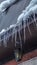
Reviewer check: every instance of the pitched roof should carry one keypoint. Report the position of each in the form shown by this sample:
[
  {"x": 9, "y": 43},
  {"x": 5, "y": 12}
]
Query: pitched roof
[{"x": 12, "y": 14}]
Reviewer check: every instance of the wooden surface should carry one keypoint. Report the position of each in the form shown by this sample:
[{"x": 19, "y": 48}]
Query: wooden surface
[{"x": 24, "y": 58}]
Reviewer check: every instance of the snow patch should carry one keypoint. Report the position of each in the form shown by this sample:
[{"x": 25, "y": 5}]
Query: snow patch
[
  {"x": 32, "y": 4},
  {"x": 32, "y": 10},
  {"x": 5, "y": 4},
  {"x": 3, "y": 30},
  {"x": 20, "y": 19}
]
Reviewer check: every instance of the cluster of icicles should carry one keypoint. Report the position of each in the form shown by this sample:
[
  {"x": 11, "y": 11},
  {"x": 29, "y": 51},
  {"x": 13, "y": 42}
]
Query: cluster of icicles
[{"x": 25, "y": 19}]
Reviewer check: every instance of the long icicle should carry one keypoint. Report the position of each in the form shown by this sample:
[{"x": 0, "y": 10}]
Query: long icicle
[
  {"x": 20, "y": 37},
  {"x": 35, "y": 19}
]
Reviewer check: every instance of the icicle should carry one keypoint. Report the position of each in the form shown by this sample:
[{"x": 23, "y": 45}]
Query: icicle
[
  {"x": 5, "y": 42},
  {"x": 29, "y": 28},
  {"x": 31, "y": 11},
  {"x": 7, "y": 33},
  {"x": 19, "y": 23},
  {"x": 0, "y": 41},
  {"x": 34, "y": 10},
  {"x": 24, "y": 32},
  {"x": 20, "y": 37},
  {"x": 25, "y": 19},
  {"x": 2, "y": 35},
  {"x": 35, "y": 19},
  {"x": 12, "y": 27},
  {"x": 15, "y": 38}
]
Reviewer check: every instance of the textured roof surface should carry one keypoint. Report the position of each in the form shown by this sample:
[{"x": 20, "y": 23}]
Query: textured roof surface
[{"x": 12, "y": 14}]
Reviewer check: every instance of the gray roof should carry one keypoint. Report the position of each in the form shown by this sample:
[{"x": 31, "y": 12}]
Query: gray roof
[{"x": 12, "y": 14}]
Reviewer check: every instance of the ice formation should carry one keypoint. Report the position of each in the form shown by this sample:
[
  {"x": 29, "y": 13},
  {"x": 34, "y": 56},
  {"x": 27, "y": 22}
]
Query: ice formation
[
  {"x": 27, "y": 18},
  {"x": 32, "y": 4},
  {"x": 5, "y": 34},
  {"x": 20, "y": 18},
  {"x": 3, "y": 31},
  {"x": 33, "y": 10},
  {"x": 23, "y": 17},
  {"x": 5, "y": 4}
]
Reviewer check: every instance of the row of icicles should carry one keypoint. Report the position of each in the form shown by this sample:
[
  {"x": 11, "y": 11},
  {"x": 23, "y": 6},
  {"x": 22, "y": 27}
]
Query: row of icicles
[{"x": 27, "y": 18}]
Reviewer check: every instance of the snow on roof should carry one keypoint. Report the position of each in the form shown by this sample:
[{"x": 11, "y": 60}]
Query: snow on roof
[
  {"x": 5, "y": 4},
  {"x": 32, "y": 4},
  {"x": 20, "y": 18},
  {"x": 3, "y": 30},
  {"x": 13, "y": 25},
  {"x": 32, "y": 10},
  {"x": 29, "y": 9}
]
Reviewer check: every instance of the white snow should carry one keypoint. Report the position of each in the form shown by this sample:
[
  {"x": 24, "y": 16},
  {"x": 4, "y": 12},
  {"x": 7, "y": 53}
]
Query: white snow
[
  {"x": 31, "y": 4},
  {"x": 3, "y": 30},
  {"x": 5, "y": 4},
  {"x": 13, "y": 25},
  {"x": 32, "y": 10},
  {"x": 20, "y": 18},
  {"x": 28, "y": 10},
  {"x": 23, "y": 16}
]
